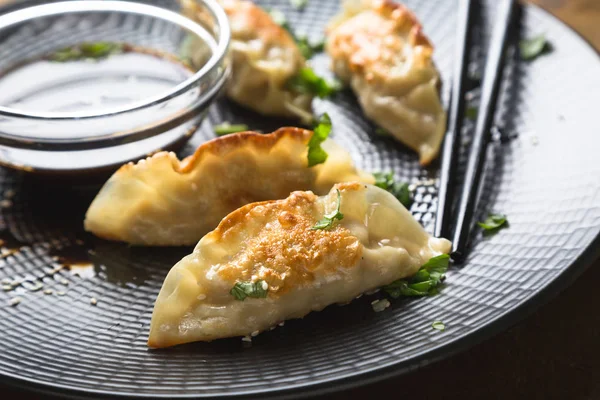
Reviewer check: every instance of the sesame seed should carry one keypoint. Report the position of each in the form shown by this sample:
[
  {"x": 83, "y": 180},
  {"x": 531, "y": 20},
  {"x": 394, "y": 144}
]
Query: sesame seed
[
  {"x": 6, "y": 281},
  {"x": 93, "y": 301},
  {"x": 255, "y": 333},
  {"x": 33, "y": 286},
  {"x": 56, "y": 269},
  {"x": 7, "y": 288},
  {"x": 60, "y": 293},
  {"x": 201, "y": 297},
  {"x": 14, "y": 301},
  {"x": 64, "y": 282},
  {"x": 48, "y": 291},
  {"x": 247, "y": 339},
  {"x": 281, "y": 323}
]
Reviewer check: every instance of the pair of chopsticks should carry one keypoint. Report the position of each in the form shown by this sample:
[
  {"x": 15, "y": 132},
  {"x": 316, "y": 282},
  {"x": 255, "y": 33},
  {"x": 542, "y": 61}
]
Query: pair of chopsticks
[{"x": 463, "y": 219}]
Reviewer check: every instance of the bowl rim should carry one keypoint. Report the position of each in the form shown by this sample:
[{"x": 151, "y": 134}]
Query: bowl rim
[{"x": 77, "y": 6}]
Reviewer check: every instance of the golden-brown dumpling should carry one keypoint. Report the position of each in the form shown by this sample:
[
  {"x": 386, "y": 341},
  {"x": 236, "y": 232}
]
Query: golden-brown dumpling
[
  {"x": 264, "y": 57},
  {"x": 162, "y": 201},
  {"x": 378, "y": 47},
  {"x": 293, "y": 267}
]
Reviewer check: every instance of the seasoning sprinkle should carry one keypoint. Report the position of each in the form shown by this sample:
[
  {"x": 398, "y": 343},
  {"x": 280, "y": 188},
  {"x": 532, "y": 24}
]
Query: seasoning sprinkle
[
  {"x": 48, "y": 291},
  {"x": 60, "y": 293},
  {"x": 15, "y": 301},
  {"x": 32, "y": 286},
  {"x": 64, "y": 282},
  {"x": 7, "y": 288},
  {"x": 93, "y": 301}
]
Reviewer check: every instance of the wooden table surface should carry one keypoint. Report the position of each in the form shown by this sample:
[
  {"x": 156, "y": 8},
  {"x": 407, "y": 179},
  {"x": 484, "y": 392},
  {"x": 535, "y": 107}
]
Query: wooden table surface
[{"x": 552, "y": 354}]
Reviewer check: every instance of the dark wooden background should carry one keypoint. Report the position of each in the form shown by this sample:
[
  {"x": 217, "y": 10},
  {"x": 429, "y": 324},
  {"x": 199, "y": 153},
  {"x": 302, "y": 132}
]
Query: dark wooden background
[{"x": 552, "y": 354}]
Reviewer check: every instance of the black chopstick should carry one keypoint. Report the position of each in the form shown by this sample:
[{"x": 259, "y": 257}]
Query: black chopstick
[
  {"x": 455, "y": 118},
  {"x": 481, "y": 137}
]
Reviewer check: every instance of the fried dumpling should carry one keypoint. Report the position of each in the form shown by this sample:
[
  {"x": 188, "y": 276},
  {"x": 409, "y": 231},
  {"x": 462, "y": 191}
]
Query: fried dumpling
[
  {"x": 264, "y": 57},
  {"x": 378, "y": 47},
  {"x": 162, "y": 201},
  {"x": 272, "y": 261}
]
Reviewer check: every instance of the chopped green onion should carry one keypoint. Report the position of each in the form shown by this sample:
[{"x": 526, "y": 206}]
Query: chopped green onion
[
  {"x": 329, "y": 219},
  {"x": 493, "y": 222},
  {"x": 298, "y": 4},
  {"x": 530, "y": 49},
  {"x": 380, "y": 305},
  {"x": 381, "y": 132},
  {"x": 241, "y": 290},
  {"x": 438, "y": 325},
  {"x": 226, "y": 128},
  {"x": 424, "y": 282},
  {"x": 307, "y": 81},
  {"x": 316, "y": 153},
  {"x": 472, "y": 113},
  {"x": 86, "y": 50},
  {"x": 307, "y": 48},
  {"x": 399, "y": 189}
]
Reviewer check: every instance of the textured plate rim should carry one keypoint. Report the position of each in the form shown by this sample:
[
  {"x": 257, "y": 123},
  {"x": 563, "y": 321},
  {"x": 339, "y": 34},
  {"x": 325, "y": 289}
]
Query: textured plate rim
[{"x": 376, "y": 374}]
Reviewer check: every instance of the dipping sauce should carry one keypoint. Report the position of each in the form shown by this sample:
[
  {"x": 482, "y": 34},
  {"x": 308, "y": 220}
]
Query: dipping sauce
[{"x": 90, "y": 77}]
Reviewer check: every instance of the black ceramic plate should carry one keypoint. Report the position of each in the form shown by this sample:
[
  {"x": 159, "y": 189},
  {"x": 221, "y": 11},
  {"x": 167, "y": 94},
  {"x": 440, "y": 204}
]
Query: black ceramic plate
[{"x": 544, "y": 174}]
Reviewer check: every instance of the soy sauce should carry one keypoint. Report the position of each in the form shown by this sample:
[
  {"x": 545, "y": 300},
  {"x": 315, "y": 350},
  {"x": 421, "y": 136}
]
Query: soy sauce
[{"x": 106, "y": 76}]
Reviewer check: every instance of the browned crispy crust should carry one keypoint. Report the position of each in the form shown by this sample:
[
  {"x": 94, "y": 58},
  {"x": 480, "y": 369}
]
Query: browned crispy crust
[
  {"x": 263, "y": 25},
  {"x": 275, "y": 248},
  {"x": 404, "y": 16},
  {"x": 233, "y": 218},
  {"x": 225, "y": 144},
  {"x": 404, "y": 21}
]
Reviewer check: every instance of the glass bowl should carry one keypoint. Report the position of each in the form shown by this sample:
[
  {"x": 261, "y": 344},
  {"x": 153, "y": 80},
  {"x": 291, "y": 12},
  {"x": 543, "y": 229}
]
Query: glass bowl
[{"x": 65, "y": 113}]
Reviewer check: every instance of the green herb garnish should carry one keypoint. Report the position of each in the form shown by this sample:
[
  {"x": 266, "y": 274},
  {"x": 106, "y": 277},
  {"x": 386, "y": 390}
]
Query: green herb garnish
[
  {"x": 493, "y": 222},
  {"x": 307, "y": 81},
  {"x": 424, "y": 282},
  {"x": 400, "y": 190},
  {"x": 534, "y": 47},
  {"x": 257, "y": 290},
  {"x": 226, "y": 128},
  {"x": 298, "y": 4},
  {"x": 316, "y": 153},
  {"x": 329, "y": 219},
  {"x": 307, "y": 48},
  {"x": 472, "y": 113},
  {"x": 438, "y": 325},
  {"x": 86, "y": 50},
  {"x": 381, "y": 132}
]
